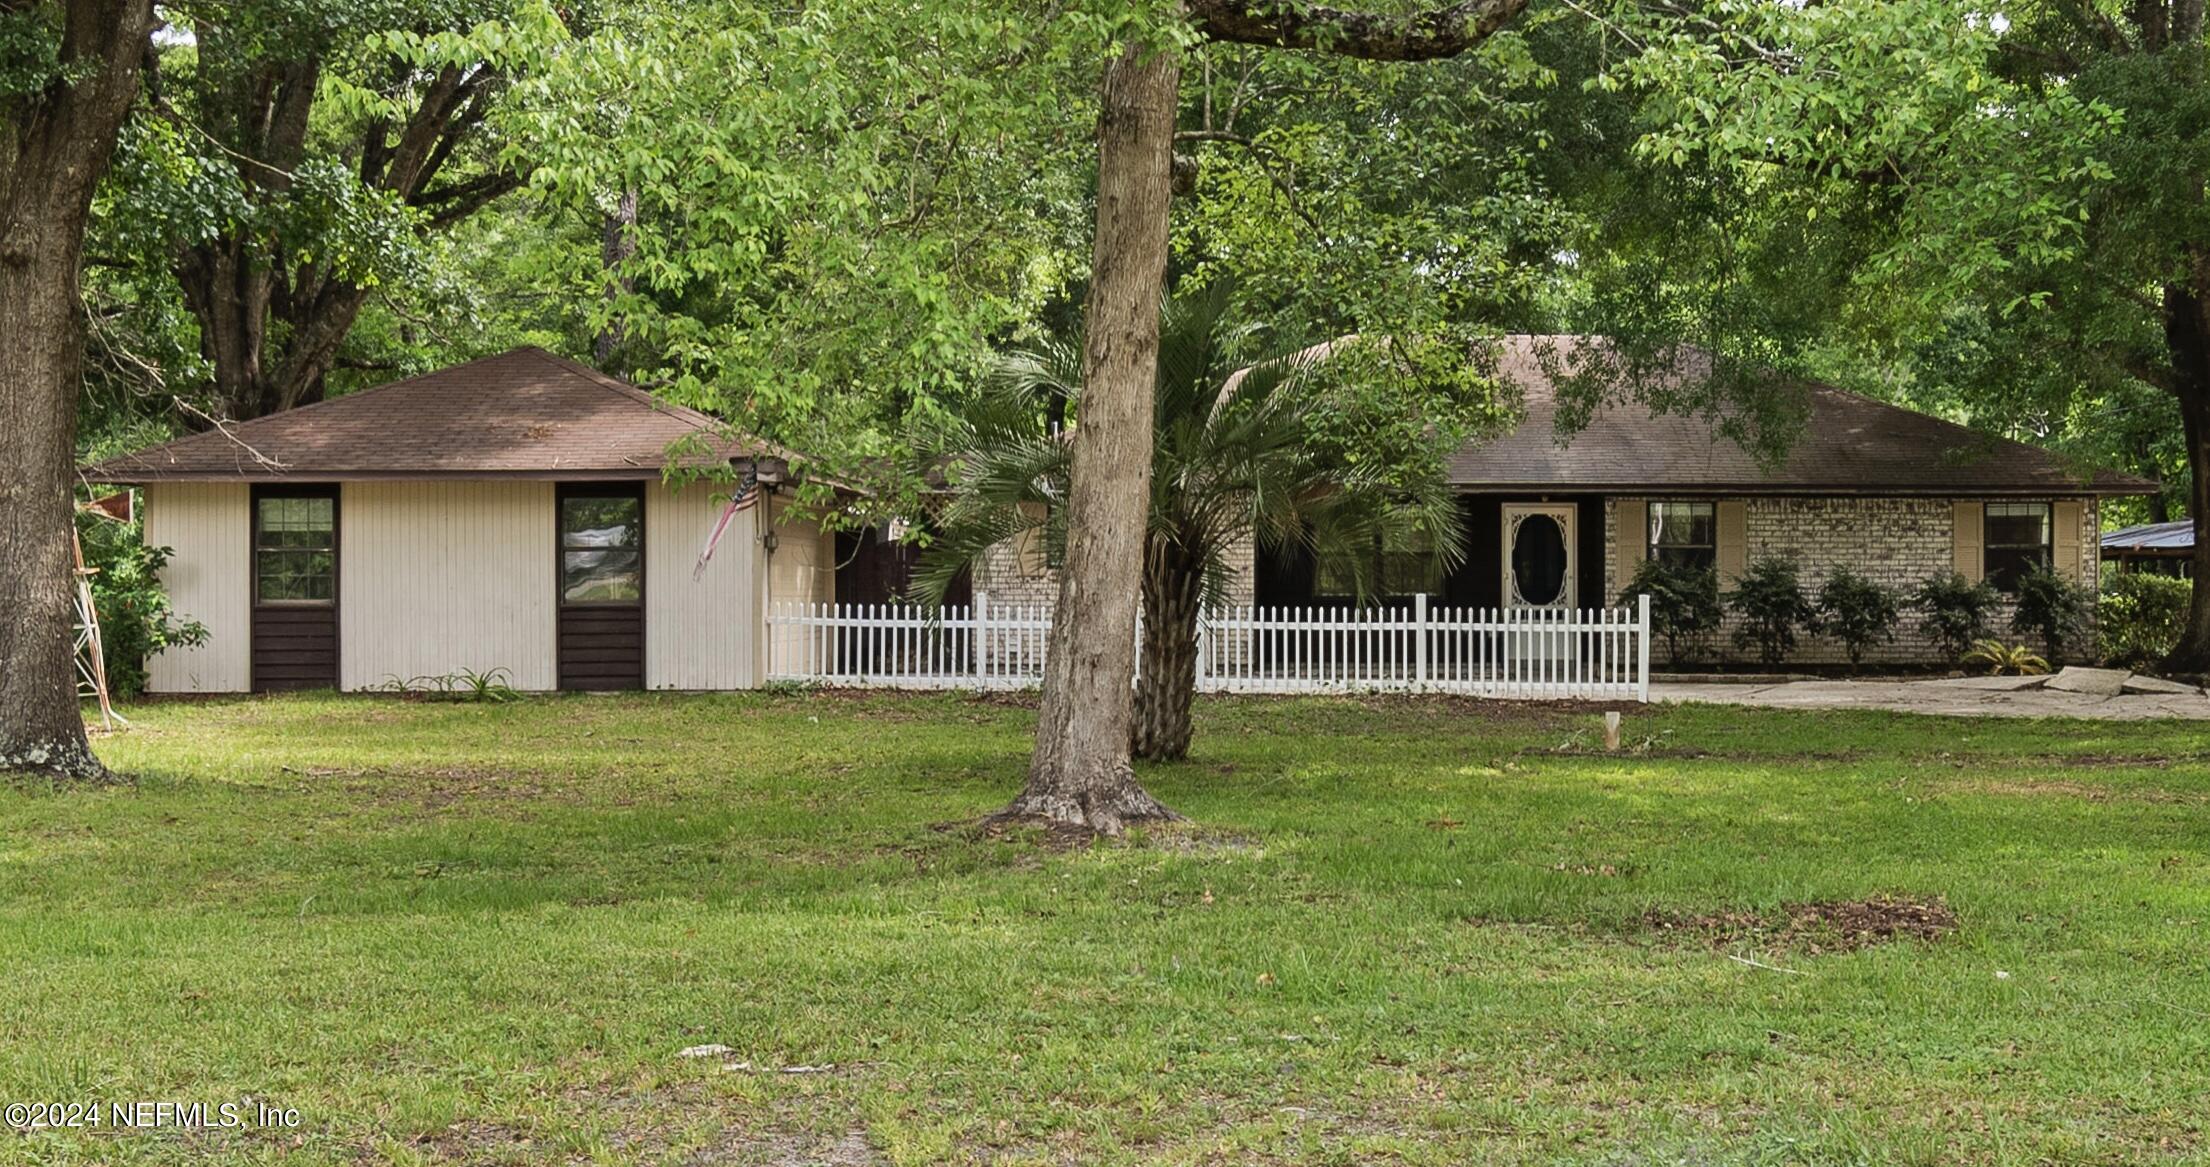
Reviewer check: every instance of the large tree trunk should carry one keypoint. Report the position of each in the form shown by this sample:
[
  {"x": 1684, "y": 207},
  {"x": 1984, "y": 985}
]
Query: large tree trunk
[
  {"x": 1079, "y": 774},
  {"x": 2187, "y": 336},
  {"x": 1173, "y": 595},
  {"x": 617, "y": 247},
  {"x": 40, "y": 726},
  {"x": 52, "y": 151}
]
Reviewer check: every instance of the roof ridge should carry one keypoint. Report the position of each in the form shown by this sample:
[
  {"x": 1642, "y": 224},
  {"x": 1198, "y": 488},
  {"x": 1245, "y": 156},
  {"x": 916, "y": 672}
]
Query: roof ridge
[{"x": 696, "y": 418}]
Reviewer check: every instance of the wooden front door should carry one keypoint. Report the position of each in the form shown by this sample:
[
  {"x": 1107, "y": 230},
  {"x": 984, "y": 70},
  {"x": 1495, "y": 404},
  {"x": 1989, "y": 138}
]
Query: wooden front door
[
  {"x": 295, "y": 587},
  {"x": 602, "y": 586}
]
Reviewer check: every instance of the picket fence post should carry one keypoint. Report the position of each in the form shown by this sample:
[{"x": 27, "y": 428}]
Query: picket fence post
[
  {"x": 1642, "y": 648},
  {"x": 981, "y": 608},
  {"x": 1419, "y": 634}
]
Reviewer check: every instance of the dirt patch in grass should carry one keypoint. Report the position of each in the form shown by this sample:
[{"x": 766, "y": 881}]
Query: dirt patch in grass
[
  {"x": 1824, "y": 926},
  {"x": 476, "y": 1141},
  {"x": 1178, "y": 836},
  {"x": 1022, "y": 830}
]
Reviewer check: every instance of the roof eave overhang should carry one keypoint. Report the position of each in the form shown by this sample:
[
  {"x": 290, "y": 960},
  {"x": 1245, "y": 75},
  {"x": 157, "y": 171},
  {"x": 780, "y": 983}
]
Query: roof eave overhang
[
  {"x": 1766, "y": 490},
  {"x": 117, "y": 476}
]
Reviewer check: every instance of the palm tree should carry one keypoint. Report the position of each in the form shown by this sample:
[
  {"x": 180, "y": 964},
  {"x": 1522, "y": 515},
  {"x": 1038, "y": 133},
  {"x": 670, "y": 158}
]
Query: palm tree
[{"x": 1234, "y": 459}]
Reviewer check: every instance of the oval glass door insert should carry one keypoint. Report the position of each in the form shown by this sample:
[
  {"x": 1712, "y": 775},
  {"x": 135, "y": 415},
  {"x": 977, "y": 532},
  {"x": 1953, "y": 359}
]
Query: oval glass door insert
[{"x": 1538, "y": 559}]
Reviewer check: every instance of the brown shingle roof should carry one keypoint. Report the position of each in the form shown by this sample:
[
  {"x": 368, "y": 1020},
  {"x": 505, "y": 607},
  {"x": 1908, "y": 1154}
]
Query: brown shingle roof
[
  {"x": 521, "y": 414},
  {"x": 1850, "y": 444}
]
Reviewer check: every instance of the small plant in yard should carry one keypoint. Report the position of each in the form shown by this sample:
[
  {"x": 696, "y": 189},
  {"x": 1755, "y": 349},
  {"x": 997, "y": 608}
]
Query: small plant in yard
[
  {"x": 1956, "y": 611},
  {"x": 136, "y": 620},
  {"x": 2051, "y": 608},
  {"x": 1770, "y": 600},
  {"x": 2005, "y": 660},
  {"x": 2141, "y": 616},
  {"x": 492, "y": 686},
  {"x": 489, "y": 687},
  {"x": 1857, "y": 612},
  {"x": 1684, "y": 602}
]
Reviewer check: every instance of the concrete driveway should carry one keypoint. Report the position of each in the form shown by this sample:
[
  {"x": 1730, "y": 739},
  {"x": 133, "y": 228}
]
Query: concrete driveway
[{"x": 1953, "y": 697}]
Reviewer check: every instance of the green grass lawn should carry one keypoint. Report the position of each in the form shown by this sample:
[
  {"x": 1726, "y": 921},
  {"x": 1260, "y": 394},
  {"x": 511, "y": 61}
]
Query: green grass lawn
[{"x": 1395, "y": 931}]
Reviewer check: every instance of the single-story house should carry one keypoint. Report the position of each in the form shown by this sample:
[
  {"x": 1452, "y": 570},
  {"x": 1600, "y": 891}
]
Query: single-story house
[
  {"x": 2158, "y": 548},
  {"x": 511, "y": 513},
  {"x": 508, "y": 513},
  {"x": 1891, "y": 493}
]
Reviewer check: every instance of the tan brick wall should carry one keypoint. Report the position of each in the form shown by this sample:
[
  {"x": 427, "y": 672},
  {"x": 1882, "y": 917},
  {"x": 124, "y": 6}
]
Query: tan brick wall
[
  {"x": 1008, "y": 576},
  {"x": 1897, "y": 543}
]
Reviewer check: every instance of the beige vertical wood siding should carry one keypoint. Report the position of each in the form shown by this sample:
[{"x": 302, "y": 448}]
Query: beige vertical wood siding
[
  {"x": 435, "y": 577},
  {"x": 802, "y": 570},
  {"x": 208, "y": 526},
  {"x": 702, "y": 633}
]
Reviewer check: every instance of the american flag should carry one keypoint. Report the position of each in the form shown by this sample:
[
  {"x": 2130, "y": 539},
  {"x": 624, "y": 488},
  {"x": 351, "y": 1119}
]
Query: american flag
[{"x": 746, "y": 495}]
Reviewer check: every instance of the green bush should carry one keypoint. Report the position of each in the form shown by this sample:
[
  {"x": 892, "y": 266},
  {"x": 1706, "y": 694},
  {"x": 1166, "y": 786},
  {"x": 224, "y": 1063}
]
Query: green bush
[
  {"x": 135, "y": 618},
  {"x": 2052, "y": 608},
  {"x": 1857, "y": 612},
  {"x": 1770, "y": 600},
  {"x": 1684, "y": 602},
  {"x": 1956, "y": 611},
  {"x": 2142, "y": 615}
]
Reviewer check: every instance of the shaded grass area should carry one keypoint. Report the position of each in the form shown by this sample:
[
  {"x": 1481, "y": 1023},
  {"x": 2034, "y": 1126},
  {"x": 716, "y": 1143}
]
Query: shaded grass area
[{"x": 1400, "y": 930}]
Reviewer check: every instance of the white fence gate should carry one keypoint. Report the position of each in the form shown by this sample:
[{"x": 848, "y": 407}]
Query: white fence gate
[{"x": 1485, "y": 652}]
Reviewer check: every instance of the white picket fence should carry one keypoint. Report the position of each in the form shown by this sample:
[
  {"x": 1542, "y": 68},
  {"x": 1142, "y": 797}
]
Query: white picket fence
[{"x": 1420, "y": 647}]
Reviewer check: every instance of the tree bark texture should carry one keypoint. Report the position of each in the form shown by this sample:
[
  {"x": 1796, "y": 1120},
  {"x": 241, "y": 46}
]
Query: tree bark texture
[
  {"x": 617, "y": 247},
  {"x": 1173, "y": 598},
  {"x": 55, "y": 146},
  {"x": 2187, "y": 336},
  {"x": 1080, "y": 773}
]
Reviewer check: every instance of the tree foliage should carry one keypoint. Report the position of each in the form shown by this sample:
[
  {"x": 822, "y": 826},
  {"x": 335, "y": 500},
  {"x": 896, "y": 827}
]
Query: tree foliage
[
  {"x": 290, "y": 159},
  {"x": 1242, "y": 456},
  {"x": 2140, "y": 616},
  {"x": 136, "y": 619}
]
